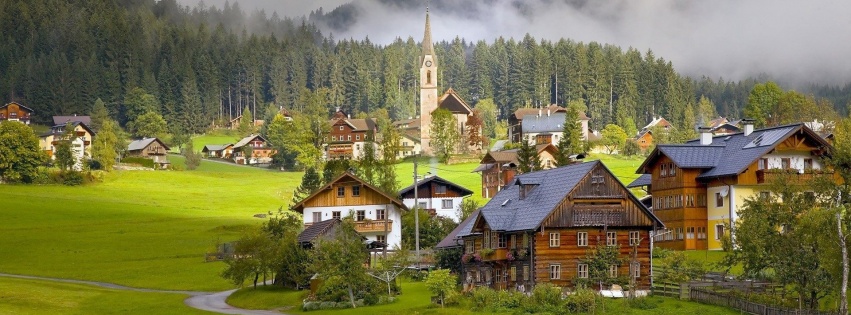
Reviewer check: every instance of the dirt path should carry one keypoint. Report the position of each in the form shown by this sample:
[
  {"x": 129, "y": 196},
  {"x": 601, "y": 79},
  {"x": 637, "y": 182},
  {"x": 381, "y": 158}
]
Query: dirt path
[{"x": 206, "y": 301}]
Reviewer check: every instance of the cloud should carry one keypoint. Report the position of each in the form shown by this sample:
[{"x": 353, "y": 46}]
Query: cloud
[{"x": 793, "y": 41}]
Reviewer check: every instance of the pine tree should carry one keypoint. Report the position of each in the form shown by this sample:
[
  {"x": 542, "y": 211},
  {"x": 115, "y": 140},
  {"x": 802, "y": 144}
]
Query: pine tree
[
  {"x": 571, "y": 137},
  {"x": 527, "y": 158},
  {"x": 193, "y": 158},
  {"x": 98, "y": 115},
  {"x": 309, "y": 183}
]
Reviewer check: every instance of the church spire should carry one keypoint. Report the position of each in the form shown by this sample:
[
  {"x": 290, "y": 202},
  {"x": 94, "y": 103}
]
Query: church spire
[{"x": 428, "y": 45}]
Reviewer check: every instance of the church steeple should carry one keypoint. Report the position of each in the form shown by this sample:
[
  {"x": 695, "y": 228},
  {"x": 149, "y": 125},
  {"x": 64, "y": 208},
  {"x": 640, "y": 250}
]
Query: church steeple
[{"x": 428, "y": 45}]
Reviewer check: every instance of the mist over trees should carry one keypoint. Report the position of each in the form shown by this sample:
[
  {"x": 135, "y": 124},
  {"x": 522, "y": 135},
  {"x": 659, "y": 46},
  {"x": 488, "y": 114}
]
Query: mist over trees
[{"x": 204, "y": 66}]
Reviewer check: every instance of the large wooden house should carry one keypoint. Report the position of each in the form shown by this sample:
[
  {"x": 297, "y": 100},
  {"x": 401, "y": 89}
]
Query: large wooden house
[
  {"x": 541, "y": 125},
  {"x": 260, "y": 151},
  {"x": 150, "y": 148},
  {"x": 540, "y": 228},
  {"x": 698, "y": 187},
  {"x": 377, "y": 215},
  {"x": 15, "y": 112},
  {"x": 436, "y": 195}
]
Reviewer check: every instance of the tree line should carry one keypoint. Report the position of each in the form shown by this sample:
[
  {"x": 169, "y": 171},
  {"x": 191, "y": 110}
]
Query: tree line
[{"x": 205, "y": 66}]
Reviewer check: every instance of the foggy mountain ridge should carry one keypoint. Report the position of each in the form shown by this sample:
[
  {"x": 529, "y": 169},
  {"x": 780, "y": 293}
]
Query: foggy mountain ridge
[{"x": 793, "y": 42}]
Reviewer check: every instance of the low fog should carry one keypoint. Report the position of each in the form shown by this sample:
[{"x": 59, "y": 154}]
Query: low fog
[{"x": 793, "y": 41}]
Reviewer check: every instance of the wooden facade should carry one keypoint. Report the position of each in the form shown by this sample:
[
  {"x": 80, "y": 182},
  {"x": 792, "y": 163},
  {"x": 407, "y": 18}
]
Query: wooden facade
[
  {"x": 15, "y": 112},
  {"x": 347, "y": 136},
  {"x": 597, "y": 207},
  {"x": 153, "y": 149},
  {"x": 679, "y": 200}
]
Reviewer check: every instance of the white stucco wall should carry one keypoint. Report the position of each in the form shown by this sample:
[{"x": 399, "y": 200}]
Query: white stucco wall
[
  {"x": 394, "y": 237},
  {"x": 437, "y": 205}
]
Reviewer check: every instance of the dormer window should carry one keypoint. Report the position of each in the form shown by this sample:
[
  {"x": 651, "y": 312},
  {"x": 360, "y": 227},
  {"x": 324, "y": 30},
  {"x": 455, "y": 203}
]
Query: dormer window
[{"x": 526, "y": 189}]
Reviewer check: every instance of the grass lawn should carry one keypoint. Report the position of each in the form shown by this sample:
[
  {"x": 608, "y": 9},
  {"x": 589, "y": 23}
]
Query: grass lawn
[
  {"x": 138, "y": 228},
  {"x": 415, "y": 299},
  {"x": 21, "y": 296}
]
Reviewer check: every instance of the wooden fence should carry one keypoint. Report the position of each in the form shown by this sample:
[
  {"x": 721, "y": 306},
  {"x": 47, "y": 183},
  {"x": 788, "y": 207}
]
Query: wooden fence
[{"x": 716, "y": 298}]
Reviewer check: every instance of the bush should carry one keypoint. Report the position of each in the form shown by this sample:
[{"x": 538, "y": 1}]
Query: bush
[
  {"x": 139, "y": 161},
  {"x": 643, "y": 303},
  {"x": 344, "y": 304},
  {"x": 310, "y": 306},
  {"x": 334, "y": 289},
  {"x": 71, "y": 178},
  {"x": 483, "y": 297},
  {"x": 370, "y": 299},
  {"x": 582, "y": 301},
  {"x": 545, "y": 297},
  {"x": 327, "y": 305}
]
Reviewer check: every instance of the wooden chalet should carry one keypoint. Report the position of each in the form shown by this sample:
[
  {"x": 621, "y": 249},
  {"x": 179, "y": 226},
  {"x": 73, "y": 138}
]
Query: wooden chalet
[
  {"x": 261, "y": 152},
  {"x": 499, "y": 167},
  {"x": 348, "y": 136},
  {"x": 150, "y": 148},
  {"x": 223, "y": 151},
  {"x": 15, "y": 112},
  {"x": 541, "y": 125},
  {"x": 698, "y": 187},
  {"x": 644, "y": 138},
  {"x": 377, "y": 215},
  {"x": 436, "y": 195},
  {"x": 540, "y": 228}
]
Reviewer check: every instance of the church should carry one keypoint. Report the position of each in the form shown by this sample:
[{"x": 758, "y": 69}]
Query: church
[{"x": 420, "y": 129}]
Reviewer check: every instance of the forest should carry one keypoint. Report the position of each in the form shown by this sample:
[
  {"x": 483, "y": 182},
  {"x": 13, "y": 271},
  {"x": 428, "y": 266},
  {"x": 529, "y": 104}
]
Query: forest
[{"x": 206, "y": 65}]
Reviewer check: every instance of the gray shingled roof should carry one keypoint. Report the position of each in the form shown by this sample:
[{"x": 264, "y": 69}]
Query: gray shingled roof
[
  {"x": 506, "y": 212},
  {"x": 728, "y": 154},
  {"x": 643, "y": 180},
  {"x": 215, "y": 147},
  {"x": 140, "y": 144},
  {"x": 61, "y": 120},
  {"x": 464, "y": 228},
  {"x": 438, "y": 179},
  {"x": 315, "y": 230},
  {"x": 543, "y": 123},
  {"x": 247, "y": 139}
]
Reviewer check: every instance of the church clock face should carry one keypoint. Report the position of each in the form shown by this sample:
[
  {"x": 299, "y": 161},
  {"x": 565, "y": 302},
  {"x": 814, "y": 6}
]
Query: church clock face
[{"x": 428, "y": 63}]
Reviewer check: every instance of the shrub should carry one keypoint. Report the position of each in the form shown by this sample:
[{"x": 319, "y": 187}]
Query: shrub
[
  {"x": 327, "y": 305},
  {"x": 546, "y": 295},
  {"x": 139, "y": 161},
  {"x": 643, "y": 303},
  {"x": 333, "y": 289},
  {"x": 71, "y": 178},
  {"x": 344, "y": 304},
  {"x": 582, "y": 301},
  {"x": 370, "y": 299},
  {"x": 310, "y": 306},
  {"x": 483, "y": 297}
]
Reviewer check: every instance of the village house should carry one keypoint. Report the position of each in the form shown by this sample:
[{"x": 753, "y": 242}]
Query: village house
[
  {"x": 222, "y": 151},
  {"x": 15, "y": 112},
  {"x": 261, "y": 153},
  {"x": 645, "y": 136},
  {"x": 150, "y": 148},
  {"x": 348, "y": 137},
  {"x": 698, "y": 187},
  {"x": 542, "y": 125},
  {"x": 79, "y": 135},
  {"x": 436, "y": 195},
  {"x": 377, "y": 215},
  {"x": 498, "y": 168},
  {"x": 541, "y": 227}
]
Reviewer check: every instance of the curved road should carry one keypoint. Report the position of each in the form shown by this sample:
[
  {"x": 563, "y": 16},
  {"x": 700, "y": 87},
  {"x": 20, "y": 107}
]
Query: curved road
[{"x": 207, "y": 301}]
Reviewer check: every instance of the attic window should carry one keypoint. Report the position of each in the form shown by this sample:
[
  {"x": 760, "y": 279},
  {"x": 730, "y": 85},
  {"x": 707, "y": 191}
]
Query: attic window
[{"x": 525, "y": 189}]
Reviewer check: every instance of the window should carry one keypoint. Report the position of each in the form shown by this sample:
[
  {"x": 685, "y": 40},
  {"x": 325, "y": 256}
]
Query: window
[
  {"x": 701, "y": 200},
  {"x": 613, "y": 271},
  {"x": 555, "y": 240},
  {"x": 525, "y": 272},
  {"x": 381, "y": 238},
  {"x": 679, "y": 233},
  {"x": 719, "y": 231},
  {"x": 664, "y": 170},
  {"x": 582, "y": 271},
  {"x": 634, "y": 238},
  {"x": 357, "y": 137},
  {"x": 611, "y": 238},
  {"x": 672, "y": 169},
  {"x": 423, "y": 205},
  {"x": 349, "y": 137},
  {"x": 636, "y": 269},
  {"x": 341, "y": 191},
  {"x": 440, "y": 189},
  {"x": 701, "y": 232},
  {"x": 356, "y": 191},
  {"x": 513, "y": 241},
  {"x": 447, "y": 204},
  {"x": 808, "y": 164},
  {"x": 335, "y": 215},
  {"x": 690, "y": 233},
  {"x": 555, "y": 272},
  {"x": 525, "y": 240},
  {"x": 719, "y": 201},
  {"x": 689, "y": 200},
  {"x": 785, "y": 163},
  {"x": 486, "y": 240},
  {"x": 513, "y": 273},
  {"x": 361, "y": 215},
  {"x": 502, "y": 240},
  {"x": 317, "y": 217},
  {"x": 380, "y": 214},
  {"x": 341, "y": 127},
  {"x": 581, "y": 238},
  {"x": 469, "y": 247},
  {"x": 428, "y": 77}
]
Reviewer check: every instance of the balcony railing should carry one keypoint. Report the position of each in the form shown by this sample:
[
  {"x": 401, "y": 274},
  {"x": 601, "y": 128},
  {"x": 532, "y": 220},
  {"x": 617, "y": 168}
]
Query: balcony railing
[
  {"x": 502, "y": 254},
  {"x": 373, "y": 226},
  {"x": 792, "y": 176}
]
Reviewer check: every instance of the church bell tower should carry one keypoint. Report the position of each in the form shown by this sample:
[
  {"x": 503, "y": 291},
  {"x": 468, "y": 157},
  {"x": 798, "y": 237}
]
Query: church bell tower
[{"x": 428, "y": 88}]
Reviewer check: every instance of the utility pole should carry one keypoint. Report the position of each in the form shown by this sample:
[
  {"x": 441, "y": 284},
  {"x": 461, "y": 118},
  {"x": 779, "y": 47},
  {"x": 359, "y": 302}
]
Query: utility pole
[{"x": 416, "y": 214}]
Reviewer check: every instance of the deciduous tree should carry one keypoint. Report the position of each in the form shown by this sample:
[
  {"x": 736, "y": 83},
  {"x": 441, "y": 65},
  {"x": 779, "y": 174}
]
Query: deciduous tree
[
  {"x": 444, "y": 134},
  {"x": 20, "y": 154},
  {"x": 613, "y": 137}
]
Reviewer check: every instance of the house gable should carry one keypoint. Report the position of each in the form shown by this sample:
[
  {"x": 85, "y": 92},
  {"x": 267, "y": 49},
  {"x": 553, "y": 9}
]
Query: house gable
[
  {"x": 452, "y": 102},
  {"x": 327, "y": 196}
]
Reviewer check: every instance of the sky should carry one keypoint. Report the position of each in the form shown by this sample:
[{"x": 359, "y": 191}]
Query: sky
[{"x": 792, "y": 41}]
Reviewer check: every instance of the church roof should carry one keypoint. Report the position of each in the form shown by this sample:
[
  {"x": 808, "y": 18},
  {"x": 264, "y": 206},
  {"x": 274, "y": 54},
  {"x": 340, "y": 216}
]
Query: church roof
[
  {"x": 428, "y": 45},
  {"x": 453, "y": 102}
]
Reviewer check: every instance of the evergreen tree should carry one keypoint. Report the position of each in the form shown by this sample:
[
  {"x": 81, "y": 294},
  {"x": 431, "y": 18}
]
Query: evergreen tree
[
  {"x": 309, "y": 183},
  {"x": 192, "y": 157},
  {"x": 527, "y": 158},
  {"x": 246, "y": 123},
  {"x": 571, "y": 137},
  {"x": 98, "y": 115}
]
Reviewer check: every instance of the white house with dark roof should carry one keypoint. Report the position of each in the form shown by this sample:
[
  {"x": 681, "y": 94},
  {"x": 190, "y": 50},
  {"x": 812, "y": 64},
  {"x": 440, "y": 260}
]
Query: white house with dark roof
[
  {"x": 698, "y": 187},
  {"x": 436, "y": 195}
]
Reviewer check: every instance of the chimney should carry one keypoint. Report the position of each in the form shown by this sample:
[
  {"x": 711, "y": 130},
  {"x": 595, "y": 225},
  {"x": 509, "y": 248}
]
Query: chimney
[
  {"x": 350, "y": 116},
  {"x": 705, "y": 135},
  {"x": 748, "y": 123}
]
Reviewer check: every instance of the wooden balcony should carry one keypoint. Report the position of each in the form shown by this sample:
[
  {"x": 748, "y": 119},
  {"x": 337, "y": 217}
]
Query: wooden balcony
[
  {"x": 791, "y": 176},
  {"x": 373, "y": 226},
  {"x": 502, "y": 254}
]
